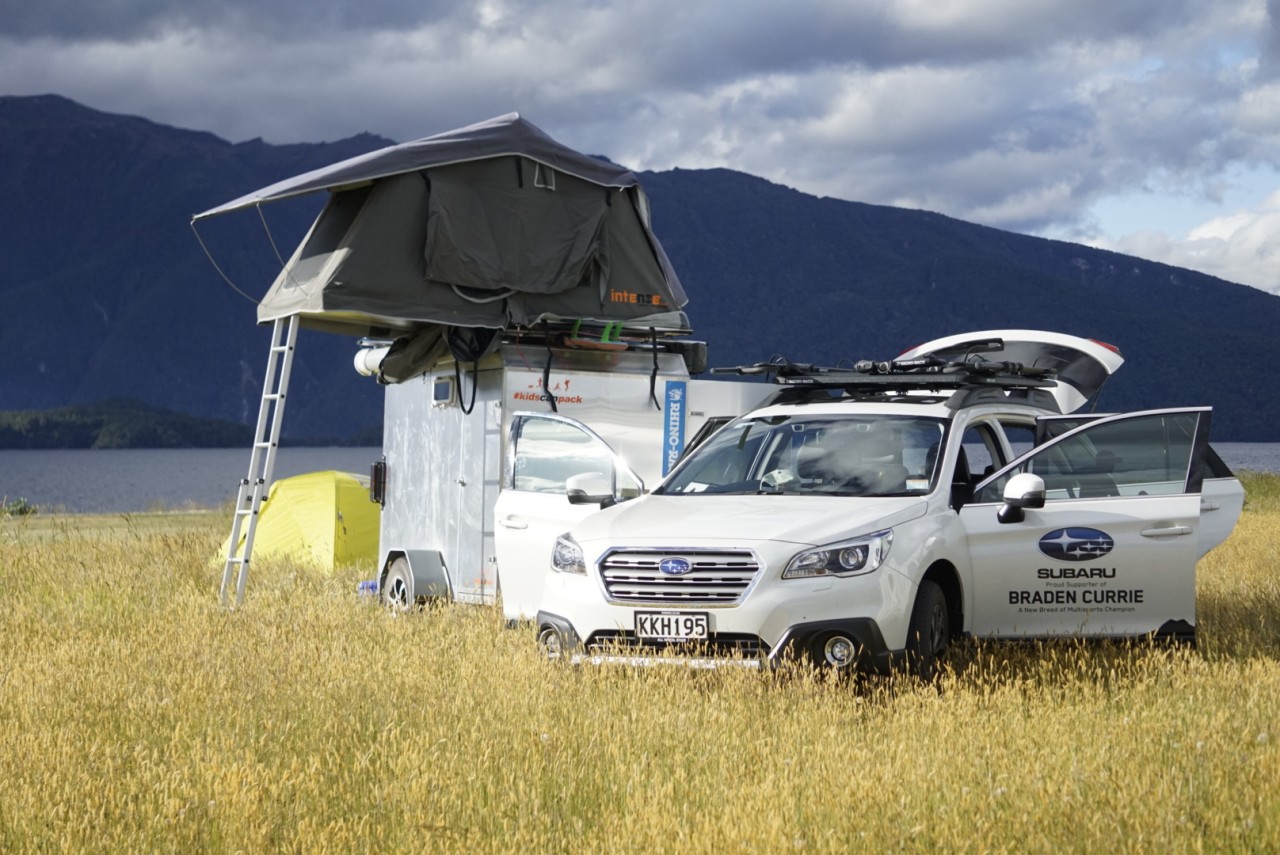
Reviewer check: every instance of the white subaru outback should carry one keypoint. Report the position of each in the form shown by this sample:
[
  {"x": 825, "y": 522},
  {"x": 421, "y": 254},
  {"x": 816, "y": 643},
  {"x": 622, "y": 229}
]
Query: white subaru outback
[{"x": 864, "y": 517}]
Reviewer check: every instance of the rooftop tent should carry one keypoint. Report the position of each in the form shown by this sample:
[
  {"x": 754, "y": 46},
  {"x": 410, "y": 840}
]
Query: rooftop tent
[{"x": 494, "y": 225}]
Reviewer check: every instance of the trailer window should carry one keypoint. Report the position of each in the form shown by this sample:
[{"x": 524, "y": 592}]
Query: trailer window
[{"x": 547, "y": 452}]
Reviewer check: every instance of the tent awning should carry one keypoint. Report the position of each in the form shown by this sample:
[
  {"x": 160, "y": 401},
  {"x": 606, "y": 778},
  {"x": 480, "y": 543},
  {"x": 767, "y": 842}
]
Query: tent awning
[{"x": 504, "y": 135}]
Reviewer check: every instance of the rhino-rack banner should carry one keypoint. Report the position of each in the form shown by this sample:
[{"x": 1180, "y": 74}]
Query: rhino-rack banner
[{"x": 673, "y": 424}]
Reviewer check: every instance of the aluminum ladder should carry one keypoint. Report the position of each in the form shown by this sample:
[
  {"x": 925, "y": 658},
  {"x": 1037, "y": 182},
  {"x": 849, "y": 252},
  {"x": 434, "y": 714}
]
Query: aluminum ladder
[{"x": 266, "y": 439}]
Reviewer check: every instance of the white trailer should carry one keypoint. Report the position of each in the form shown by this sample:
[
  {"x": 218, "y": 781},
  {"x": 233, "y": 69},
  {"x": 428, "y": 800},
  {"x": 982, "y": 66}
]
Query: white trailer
[{"x": 477, "y": 463}]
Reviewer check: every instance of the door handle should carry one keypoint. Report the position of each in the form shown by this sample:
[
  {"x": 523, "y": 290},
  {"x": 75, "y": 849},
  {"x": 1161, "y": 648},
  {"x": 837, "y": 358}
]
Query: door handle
[
  {"x": 1209, "y": 506},
  {"x": 1167, "y": 531},
  {"x": 512, "y": 522}
]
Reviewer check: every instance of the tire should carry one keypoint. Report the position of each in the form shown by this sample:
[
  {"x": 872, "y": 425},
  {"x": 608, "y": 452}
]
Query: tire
[
  {"x": 397, "y": 586},
  {"x": 929, "y": 631}
]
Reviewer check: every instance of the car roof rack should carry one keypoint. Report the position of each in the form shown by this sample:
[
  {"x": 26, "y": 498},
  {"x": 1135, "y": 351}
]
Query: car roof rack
[{"x": 969, "y": 381}]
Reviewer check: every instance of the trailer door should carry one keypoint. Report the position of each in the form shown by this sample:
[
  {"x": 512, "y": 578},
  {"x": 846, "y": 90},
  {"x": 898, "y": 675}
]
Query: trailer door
[
  {"x": 533, "y": 508},
  {"x": 1114, "y": 549}
]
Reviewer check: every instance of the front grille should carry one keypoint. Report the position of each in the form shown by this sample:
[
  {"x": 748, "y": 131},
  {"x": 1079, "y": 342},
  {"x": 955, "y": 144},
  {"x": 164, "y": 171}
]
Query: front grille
[
  {"x": 719, "y": 577},
  {"x": 721, "y": 645}
]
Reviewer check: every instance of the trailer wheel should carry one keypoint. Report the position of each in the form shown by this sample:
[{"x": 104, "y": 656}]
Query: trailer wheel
[
  {"x": 929, "y": 630},
  {"x": 397, "y": 586}
]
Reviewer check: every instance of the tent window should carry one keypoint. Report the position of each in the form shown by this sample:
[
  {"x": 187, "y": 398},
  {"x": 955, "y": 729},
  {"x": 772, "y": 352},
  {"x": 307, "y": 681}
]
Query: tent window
[{"x": 544, "y": 176}]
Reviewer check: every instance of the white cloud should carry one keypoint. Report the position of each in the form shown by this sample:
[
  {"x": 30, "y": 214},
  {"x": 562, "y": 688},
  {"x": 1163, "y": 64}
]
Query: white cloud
[
  {"x": 1242, "y": 246},
  {"x": 1021, "y": 114}
]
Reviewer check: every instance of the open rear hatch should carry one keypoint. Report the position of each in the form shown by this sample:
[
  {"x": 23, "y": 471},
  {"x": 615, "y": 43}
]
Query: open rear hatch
[{"x": 1082, "y": 365}]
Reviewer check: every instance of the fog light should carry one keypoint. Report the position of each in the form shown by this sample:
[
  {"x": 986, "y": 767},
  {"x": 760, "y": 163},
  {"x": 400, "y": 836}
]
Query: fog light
[
  {"x": 840, "y": 651},
  {"x": 551, "y": 643}
]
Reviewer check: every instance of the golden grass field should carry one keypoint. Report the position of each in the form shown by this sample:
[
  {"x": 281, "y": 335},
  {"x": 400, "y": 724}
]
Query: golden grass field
[{"x": 137, "y": 715}]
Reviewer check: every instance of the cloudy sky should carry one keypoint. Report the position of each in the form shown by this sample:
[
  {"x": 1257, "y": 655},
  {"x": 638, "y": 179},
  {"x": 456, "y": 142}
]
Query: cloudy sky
[{"x": 1146, "y": 126}]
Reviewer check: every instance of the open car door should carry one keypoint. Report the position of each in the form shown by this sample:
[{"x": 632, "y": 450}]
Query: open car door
[
  {"x": 1112, "y": 550},
  {"x": 1221, "y": 493},
  {"x": 533, "y": 508}
]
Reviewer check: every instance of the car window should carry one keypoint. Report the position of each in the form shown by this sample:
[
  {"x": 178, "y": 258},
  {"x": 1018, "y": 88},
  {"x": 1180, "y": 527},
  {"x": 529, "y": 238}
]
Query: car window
[
  {"x": 1138, "y": 456},
  {"x": 547, "y": 452},
  {"x": 1056, "y": 426},
  {"x": 1212, "y": 466},
  {"x": 1020, "y": 436},
  {"x": 727, "y": 458},
  {"x": 834, "y": 455},
  {"x": 709, "y": 427},
  {"x": 982, "y": 454}
]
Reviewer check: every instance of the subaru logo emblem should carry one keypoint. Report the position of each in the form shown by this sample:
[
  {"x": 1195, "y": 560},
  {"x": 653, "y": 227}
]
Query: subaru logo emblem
[
  {"x": 675, "y": 566},
  {"x": 1076, "y": 544}
]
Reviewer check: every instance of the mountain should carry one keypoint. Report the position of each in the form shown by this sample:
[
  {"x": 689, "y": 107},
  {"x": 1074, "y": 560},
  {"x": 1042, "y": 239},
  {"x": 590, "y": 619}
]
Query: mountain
[
  {"x": 117, "y": 423},
  {"x": 773, "y": 271},
  {"x": 109, "y": 294},
  {"x": 126, "y": 423}
]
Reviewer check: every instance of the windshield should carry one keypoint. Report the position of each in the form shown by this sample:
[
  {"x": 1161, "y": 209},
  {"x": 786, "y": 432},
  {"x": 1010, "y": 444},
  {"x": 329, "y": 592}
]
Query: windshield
[{"x": 818, "y": 455}]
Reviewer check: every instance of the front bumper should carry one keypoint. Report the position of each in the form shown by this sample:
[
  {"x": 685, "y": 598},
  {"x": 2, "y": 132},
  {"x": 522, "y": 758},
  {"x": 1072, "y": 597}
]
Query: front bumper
[
  {"x": 799, "y": 643},
  {"x": 777, "y": 620}
]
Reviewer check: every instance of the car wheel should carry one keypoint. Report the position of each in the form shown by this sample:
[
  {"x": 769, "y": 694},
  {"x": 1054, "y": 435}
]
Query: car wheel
[
  {"x": 397, "y": 586},
  {"x": 929, "y": 631}
]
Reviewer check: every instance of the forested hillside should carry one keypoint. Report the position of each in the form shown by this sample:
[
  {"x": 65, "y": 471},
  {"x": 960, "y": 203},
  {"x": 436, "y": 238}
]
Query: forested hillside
[{"x": 108, "y": 293}]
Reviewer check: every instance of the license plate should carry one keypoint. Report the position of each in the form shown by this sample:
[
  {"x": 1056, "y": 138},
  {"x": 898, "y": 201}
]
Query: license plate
[{"x": 672, "y": 626}]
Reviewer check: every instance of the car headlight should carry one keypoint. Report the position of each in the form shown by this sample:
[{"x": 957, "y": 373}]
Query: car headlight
[
  {"x": 846, "y": 558},
  {"x": 566, "y": 557}
]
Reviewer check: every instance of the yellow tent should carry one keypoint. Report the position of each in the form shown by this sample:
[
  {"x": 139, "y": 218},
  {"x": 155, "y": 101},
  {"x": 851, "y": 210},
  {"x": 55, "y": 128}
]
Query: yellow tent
[{"x": 324, "y": 518}]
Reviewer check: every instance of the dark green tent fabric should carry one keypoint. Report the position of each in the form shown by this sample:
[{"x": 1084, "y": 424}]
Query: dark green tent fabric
[{"x": 495, "y": 225}]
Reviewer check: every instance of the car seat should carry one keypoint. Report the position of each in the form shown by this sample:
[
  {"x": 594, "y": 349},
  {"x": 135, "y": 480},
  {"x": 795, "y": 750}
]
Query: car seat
[{"x": 886, "y": 474}]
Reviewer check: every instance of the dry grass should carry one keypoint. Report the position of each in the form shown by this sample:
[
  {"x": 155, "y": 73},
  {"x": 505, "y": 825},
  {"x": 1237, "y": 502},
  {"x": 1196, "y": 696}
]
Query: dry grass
[
  {"x": 45, "y": 526},
  {"x": 136, "y": 715}
]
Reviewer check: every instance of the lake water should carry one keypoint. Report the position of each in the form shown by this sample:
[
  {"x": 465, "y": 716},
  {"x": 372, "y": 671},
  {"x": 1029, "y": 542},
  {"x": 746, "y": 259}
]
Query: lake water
[{"x": 131, "y": 480}]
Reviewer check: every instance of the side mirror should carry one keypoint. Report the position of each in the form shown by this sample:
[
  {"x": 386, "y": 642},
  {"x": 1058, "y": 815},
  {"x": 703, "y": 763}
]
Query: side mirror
[
  {"x": 1023, "y": 491},
  {"x": 588, "y": 488}
]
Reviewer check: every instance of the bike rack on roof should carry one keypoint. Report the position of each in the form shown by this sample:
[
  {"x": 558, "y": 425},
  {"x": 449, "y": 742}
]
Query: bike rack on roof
[{"x": 969, "y": 381}]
